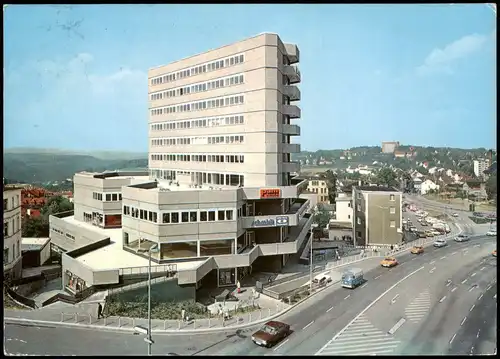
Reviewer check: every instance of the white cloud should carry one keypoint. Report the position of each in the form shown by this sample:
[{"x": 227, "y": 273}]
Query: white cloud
[{"x": 440, "y": 60}]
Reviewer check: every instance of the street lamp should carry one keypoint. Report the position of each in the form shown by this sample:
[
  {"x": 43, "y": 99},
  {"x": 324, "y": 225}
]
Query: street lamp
[
  {"x": 314, "y": 225},
  {"x": 153, "y": 249}
]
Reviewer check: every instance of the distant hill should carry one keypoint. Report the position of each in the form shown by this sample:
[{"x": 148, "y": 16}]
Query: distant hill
[
  {"x": 49, "y": 166},
  {"x": 105, "y": 155}
]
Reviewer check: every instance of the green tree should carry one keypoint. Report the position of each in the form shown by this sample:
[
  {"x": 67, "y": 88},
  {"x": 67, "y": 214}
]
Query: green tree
[
  {"x": 491, "y": 187},
  {"x": 386, "y": 177},
  {"x": 54, "y": 205},
  {"x": 331, "y": 182},
  {"x": 321, "y": 216},
  {"x": 39, "y": 226},
  {"x": 34, "y": 227}
]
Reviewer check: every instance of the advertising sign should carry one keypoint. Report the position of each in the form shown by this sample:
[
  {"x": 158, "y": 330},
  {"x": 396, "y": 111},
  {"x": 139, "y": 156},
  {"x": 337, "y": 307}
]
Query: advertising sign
[{"x": 270, "y": 193}]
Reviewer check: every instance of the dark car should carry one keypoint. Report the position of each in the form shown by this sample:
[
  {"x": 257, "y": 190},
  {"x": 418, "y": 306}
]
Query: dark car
[{"x": 271, "y": 333}]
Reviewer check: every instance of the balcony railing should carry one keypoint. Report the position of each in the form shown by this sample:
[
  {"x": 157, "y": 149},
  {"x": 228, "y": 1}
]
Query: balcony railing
[
  {"x": 292, "y": 52},
  {"x": 292, "y": 92},
  {"x": 290, "y": 148},
  {"x": 292, "y": 130},
  {"x": 292, "y": 111},
  {"x": 293, "y": 73}
]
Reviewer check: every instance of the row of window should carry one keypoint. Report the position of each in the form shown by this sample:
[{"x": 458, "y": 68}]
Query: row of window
[
  {"x": 198, "y": 158},
  {"x": 14, "y": 203},
  {"x": 207, "y": 178},
  {"x": 200, "y": 105},
  {"x": 67, "y": 235},
  {"x": 199, "y": 87},
  {"x": 10, "y": 230},
  {"x": 198, "y": 140},
  {"x": 180, "y": 216},
  {"x": 200, "y": 123},
  {"x": 108, "y": 197},
  {"x": 16, "y": 252},
  {"x": 199, "y": 69}
]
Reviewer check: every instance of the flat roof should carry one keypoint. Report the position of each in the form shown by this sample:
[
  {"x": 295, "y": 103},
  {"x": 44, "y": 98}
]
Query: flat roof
[
  {"x": 31, "y": 244},
  {"x": 376, "y": 189},
  {"x": 113, "y": 256},
  {"x": 172, "y": 186}
]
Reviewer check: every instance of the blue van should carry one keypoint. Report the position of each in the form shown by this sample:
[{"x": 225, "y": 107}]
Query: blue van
[{"x": 352, "y": 277}]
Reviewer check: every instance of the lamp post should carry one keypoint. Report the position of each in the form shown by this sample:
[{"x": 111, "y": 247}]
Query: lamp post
[
  {"x": 148, "y": 339},
  {"x": 314, "y": 225}
]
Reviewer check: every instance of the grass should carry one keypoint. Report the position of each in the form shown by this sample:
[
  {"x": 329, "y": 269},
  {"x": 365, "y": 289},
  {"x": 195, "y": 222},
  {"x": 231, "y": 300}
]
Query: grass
[{"x": 8, "y": 303}]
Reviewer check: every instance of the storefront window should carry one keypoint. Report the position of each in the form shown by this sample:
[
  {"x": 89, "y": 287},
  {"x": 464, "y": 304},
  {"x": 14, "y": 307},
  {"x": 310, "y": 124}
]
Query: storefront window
[
  {"x": 113, "y": 220},
  {"x": 74, "y": 283},
  {"x": 227, "y": 277},
  {"x": 216, "y": 248},
  {"x": 179, "y": 250}
]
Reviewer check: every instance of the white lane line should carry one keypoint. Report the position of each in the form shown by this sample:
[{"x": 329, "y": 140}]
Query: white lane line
[
  {"x": 473, "y": 274},
  {"x": 347, "y": 297},
  {"x": 397, "y": 326},
  {"x": 367, "y": 308},
  {"x": 454, "y": 289},
  {"x": 465, "y": 280},
  {"x": 442, "y": 299},
  {"x": 483, "y": 268},
  {"x": 480, "y": 297},
  {"x": 329, "y": 310},
  {"x": 443, "y": 257},
  {"x": 453, "y": 337},
  {"x": 448, "y": 284},
  {"x": 377, "y": 277},
  {"x": 364, "y": 285},
  {"x": 488, "y": 287},
  {"x": 432, "y": 270},
  {"x": 393, "y": 300},
  {"x": 308, "y": 325},
  {"x": 282, "y": 343},
  {"x": 477, "y": 245},
  {"x": 454, "y": 253},
  {"x": 495, "y": 296},
  {"x": 472, "y": 288},
  {"x": 432, "y": 262},
  {"x": 473, "y": 305},
  {"x": 414, "y": 258},
  {"x": 479, "y": 331},
  {"x": 463, "y": 321}
]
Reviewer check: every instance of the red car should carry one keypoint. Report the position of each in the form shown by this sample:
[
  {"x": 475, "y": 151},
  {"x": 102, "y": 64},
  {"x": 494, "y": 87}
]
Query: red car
[{"x": 271, "y": 333}]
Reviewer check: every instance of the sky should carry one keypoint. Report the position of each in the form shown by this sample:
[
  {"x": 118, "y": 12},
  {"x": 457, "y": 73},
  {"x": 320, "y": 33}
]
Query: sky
[{"x": 75, "y": 77}]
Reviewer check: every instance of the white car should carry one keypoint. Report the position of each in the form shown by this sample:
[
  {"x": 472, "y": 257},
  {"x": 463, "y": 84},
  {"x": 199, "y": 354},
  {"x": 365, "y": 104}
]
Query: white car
[
  {"x": 461, "y": 238},
  {"x": 440, "y": 243},
  {"x": 455, "y": 214},
  {"x": 492, "y": 233}
]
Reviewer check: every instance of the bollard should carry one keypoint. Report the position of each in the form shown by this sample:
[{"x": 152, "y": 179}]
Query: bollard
[
  {"x": 269, "y": 310},
  {"x": 178, "y": 325},
  {"x": 289, "y": 300},
  {"x": 62, "y": 317},
  {"x": 164, "y": 325},
  {"x": 133, "y": 322},
  {"x": 104, "y": 321},
  {"x": 260, "y": 313},
  {"x": 194, "y": 323},
  {"x": 209, "y": 322},
  {"x": 76, "y": 317},
  {"x": 250, "y": 317},
  {"x": 90, "y": 318},
  {"x": 119, "y": 322}
]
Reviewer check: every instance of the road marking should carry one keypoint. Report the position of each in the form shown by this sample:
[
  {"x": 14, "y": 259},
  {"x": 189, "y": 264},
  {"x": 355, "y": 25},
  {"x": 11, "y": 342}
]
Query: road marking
[
  {"x": 473, "y": 305},
  {"x": 488, "y": 287},
  {"x": 308, "y": 325},
  {"x": 463, "y": 321},
  {"x": 479, "y": 331},
  {"x": 483, "y": 268},
  {"x": 472, "y": 288},
  {"x": 367, "y": 308},
  {"x": 443, "y": 257},
  {"x": 449, "y": 283},
  {"x": 473, "y": 274},
  {"x": 495, "y": 296},
  {"x": 17, "y": 340},
  {"x": 393, "y": 300},
  {"x": 442, "y": 299},
  {"x": 472, "y": 349},
  {"x": 477, "y": 245},
  {"x": 454, "y": 253},
  {"x": 414, "y": 258},
  {"x": 390, "y": 270},
  {"x": 364, "y": 285},
  {"x": 377, "y": 277},
  {"x": 432, "y": 262},
  {"x": 465, "y": 280},
  {"x": 397, "y": 326},
  {"x": 282, "y": 343},
  {"x": 480, "y": 297},
  {"x": 347, "y": 297},
  {"x": 453, "y": 337},
  {"x": 329, "y": 310},
  {"x": 432, "y": 270}
]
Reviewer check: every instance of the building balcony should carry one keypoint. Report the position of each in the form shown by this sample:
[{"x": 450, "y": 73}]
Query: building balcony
[
  {"x": 290, "y": 167},
  {"x": 291, "y": 130},
  {"x": 292, "y": 92},
  {"x": 292, "y": 52},
  {"x": 292, "y": 111},
  {"x": 290, "y": 219},
  {"x": 290, "y": 148},
  {"x": 293, "y": 73}
]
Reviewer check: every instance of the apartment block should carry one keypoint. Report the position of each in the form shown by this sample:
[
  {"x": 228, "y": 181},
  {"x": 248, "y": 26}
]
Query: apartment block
[
  {"x": 219, "y": 200},
  {"x": 12, "y": 259},
  {"x": 481, "y": 165},
  {"x": 377, "y": 216},
  {"x": 320, "y": 188}
]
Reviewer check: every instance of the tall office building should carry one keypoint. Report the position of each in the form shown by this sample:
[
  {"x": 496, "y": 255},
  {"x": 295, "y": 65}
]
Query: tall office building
[
  {"x": 223, "y": 117},
  {"x": 12, "y": 264},
  {"x": 481, "y": 165}
]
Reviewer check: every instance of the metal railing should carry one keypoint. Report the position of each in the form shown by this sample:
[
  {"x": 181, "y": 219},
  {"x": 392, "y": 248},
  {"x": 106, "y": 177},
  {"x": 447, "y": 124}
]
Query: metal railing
[{"x": 172, "y": 268}]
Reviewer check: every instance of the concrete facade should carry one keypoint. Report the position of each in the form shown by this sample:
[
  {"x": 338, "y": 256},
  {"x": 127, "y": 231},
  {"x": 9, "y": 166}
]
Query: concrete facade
[
  {"x": 320, "y": 188},
  {"x": 12, "y": 258},
  {"x": 377, "y": 216}
]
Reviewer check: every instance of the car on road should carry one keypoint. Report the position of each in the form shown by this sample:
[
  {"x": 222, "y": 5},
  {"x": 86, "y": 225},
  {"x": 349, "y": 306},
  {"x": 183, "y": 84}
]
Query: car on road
[
  {"x": 494, "y": 253},
  {"x": 424, "y": 224},
  {"x": 421, "y": 234},
  {"x": 455, "y": 214},
  {"x": 462, "y": 238},
  {"x": 271, "y": 333},
  {"x": 429, "y": 234},
  {"x": 440, "y": 243},
  {"x": 389, "y": 262},
  {"x": 491, "y": 233},
  {"x": 413, "y": 229},
  {"x": 417, "y": 250}
]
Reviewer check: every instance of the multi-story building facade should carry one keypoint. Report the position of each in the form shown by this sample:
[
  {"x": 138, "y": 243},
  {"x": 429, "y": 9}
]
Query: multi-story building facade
[
  {"x": 319, "y": 186},
  {"x": 481, "y": 165},
  {"x": 12, "y": 260},
  {"x": 389, "y": 146},
  {"x": 220, "y": 200},
  {"x": 377, "y": 216}
]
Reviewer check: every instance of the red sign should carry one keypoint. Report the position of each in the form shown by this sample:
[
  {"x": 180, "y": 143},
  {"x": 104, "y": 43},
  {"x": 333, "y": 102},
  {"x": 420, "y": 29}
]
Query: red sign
[{"x": 270, "y": 193}]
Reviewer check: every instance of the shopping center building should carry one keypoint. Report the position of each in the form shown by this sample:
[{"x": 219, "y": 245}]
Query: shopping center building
[{"x": 219, "y": 200}]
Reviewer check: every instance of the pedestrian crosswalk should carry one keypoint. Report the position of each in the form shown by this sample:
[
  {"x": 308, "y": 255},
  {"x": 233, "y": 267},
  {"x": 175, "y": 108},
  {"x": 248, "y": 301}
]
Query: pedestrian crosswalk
[
  {"x": 419, "y": 307},
  {"x": 361, "y": 338}
]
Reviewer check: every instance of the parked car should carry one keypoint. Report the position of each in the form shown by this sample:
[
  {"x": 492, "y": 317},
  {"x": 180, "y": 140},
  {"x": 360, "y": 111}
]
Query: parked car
[
  {"x": 417, "y": 250},
  {"x": 424, "y": 223},
  {"x": 413, "y": 229},
  {"x": 389, "y": 262},
  {"x": 440, "y": 243},
  {"x": 461, "y": 238},
  {"x": 491, "y": 233},
  {"x": 455, "y": 214},
  {"x": 271, "y": 333},
  {"x": 421, "y": 234},
  {"x": 429, "y": 234}
]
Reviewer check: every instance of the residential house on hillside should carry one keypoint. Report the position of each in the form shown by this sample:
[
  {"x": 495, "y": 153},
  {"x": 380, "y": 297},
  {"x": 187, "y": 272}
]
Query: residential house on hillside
[
  {"x": 399, "y": 154},
  {"x": 475, "y": 188},
  {"x": 32, "y": 201},
  {"x": 427, "y": 186},
  {"x": 417, "y": 184},
  {"x": 319, "y": 186}
]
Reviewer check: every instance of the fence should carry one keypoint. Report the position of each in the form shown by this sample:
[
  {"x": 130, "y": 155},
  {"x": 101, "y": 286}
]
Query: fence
[
  {"x": 19, "y": 298},
  {"x": 140, "y": 284},
  {"x": 168, "y": 268}
]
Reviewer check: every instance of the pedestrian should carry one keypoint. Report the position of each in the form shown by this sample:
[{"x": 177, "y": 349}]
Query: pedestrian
[
  {"x": 238, "y": 287},
  {"x": 99, "y": 311},
  {"x": 392, "y": 247},
  {"x": 183, "y": 314}
]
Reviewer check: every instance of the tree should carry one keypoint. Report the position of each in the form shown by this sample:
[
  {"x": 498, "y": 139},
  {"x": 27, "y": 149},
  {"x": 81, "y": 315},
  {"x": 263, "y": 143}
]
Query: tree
[
  {"x": 321, "y": 216},
  {"x": 39, "y": 226},
  {"x": 491, "y": 187},
  {"x": 331, "y": 182},
  {"x": 386, "y": 177},
  {"x": 56, "y": 204},
  {"x": 34, "y": 227}
]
